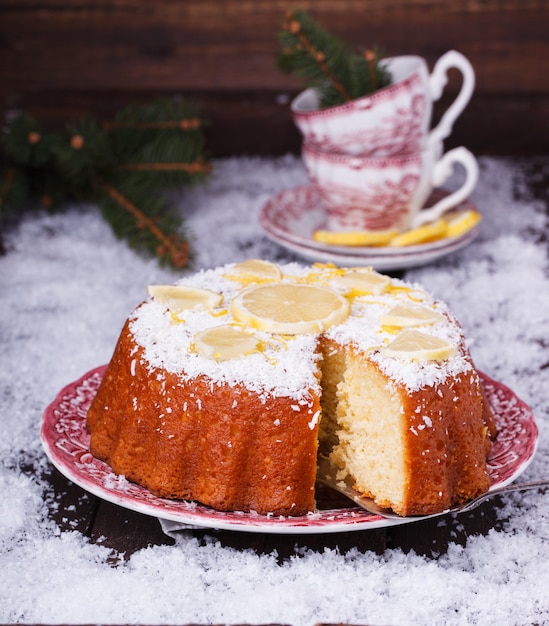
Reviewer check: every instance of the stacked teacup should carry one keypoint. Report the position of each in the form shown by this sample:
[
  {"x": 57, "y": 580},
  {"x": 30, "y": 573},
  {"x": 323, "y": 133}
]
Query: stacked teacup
[{"x": 375, "y": 160}]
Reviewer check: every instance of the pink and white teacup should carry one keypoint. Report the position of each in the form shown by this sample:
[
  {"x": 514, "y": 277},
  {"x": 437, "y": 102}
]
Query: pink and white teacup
[
  {"x": 394, "y": 120},
  {"x": 386, "y": 193}
]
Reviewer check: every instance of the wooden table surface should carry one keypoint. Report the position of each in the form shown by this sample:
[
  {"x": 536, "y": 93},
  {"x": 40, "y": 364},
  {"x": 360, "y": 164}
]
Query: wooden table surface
[{"x": 126, "y": 531}]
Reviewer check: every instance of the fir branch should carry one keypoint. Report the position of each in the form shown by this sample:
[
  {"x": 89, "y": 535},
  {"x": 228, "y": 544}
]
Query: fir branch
[
  {"x": 14, "y": 191},
  {"x": 191, "y": 168},
  {"x": 125, "y": 166},
  {"x": 158, "y": 111},
  {"x": 326, "y": 63},
  {"x": 169, "y": 247},
  {"x": 184, "y": 124},
  {"x": 83, "y": 154},
  {"x": 162, "y": 121},
  {"x": 313, "y": 53},
  {"x": 24, "y": 144}
]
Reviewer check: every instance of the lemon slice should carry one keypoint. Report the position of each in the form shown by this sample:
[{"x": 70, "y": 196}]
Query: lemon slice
[
  {"x": 290, "y": 309},
  {"x": 355, "y": 238},
  {"x": 406, "y": 315},
  {"x": 411, "y": 344},
  {"x": 362, "y": 281},
  {"x": 463, "y": 222},
  {"x": 225, "y": 342},
  {"x": 255, "y": 270},
  {"x": 183, "y": 298},
  {"x": 421, "y": 234}
]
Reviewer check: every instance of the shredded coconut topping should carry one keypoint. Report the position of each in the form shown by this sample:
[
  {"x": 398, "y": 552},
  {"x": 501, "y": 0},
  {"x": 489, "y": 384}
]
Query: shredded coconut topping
[{"x": 286, "y": 366}]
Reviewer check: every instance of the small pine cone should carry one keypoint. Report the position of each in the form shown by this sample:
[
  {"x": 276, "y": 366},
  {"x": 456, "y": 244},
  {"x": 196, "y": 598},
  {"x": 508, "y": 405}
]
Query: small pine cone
[
  {"x": 294, "y": 27},
  {"x": 33, "y": 137},
  {"x": 77, "y": 142}
]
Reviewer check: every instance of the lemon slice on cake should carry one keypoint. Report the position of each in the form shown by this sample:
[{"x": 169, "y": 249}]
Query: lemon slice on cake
[
  {"x": 255, "y": 270},
  {"x": 406, "y": 315},
  {"x": 183, "y": 298},
  {"x": 224, "y": 342},
  {"x": 290, "y": 309},
  {"x": 362, "y": 281},
  {"x": 413, "y": 345}
]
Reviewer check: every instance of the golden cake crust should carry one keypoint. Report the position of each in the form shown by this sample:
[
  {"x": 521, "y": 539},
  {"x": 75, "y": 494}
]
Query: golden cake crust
[
  {"x": 446, "y": 447},
  {"x": 218, "y": 444}
]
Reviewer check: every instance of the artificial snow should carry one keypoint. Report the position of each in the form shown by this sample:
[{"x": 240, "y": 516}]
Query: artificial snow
[{"x": 67, "y": 287}]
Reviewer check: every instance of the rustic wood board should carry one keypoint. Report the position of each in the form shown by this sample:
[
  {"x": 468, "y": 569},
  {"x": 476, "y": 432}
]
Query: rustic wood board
[{"x": 62, "y": 59}]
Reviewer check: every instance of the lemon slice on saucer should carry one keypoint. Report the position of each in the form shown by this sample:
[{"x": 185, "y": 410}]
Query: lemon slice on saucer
[
  {"x": 462, "y": 222},
  {"x": 406, "y": 315},
  {"x": 225, "y": 342},
  {"x": 290, "y": 309},
  {"x": 413, "y": 345},
  {"x": 255, "y": 270},
  {"x": 421, "y": 234},
  {"x": 355, "y": 238},
  {"x": 183, "y": 298}
]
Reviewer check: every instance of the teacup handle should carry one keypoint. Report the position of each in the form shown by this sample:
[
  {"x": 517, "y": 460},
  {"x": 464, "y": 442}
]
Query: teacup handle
[
  {"x": 437, "y": 82},
  {"x": 442, "y": 170}
]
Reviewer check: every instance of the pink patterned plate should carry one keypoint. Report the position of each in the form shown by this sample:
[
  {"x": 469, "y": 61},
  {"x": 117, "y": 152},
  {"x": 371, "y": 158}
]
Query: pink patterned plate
[
  {"x": 66, "y": 442},
  {"x": 291, "y": 217}
]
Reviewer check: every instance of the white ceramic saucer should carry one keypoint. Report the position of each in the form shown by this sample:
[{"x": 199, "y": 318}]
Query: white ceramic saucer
[{"x": 291, "y": 217}]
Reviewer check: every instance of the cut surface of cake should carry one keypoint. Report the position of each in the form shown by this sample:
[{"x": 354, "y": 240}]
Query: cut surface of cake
[{"x": 224, "y": 388}]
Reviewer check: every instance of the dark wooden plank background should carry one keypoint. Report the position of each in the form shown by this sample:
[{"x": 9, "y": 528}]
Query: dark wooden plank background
[
  {"x": 61, "y": 59},
  {"x": 125, "y": 531}
]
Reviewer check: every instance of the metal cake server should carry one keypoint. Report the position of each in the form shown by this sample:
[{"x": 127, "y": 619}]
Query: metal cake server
[{"x": 327, "y": 475}]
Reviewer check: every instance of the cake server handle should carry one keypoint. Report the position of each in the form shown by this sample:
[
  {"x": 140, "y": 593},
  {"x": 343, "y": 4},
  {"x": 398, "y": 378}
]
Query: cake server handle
[{"x": 471, "y": 504}]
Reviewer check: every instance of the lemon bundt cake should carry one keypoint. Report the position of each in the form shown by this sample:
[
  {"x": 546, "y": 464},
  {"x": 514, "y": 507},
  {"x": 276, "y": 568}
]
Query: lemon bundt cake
[{"x": 225, "y": 387}]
